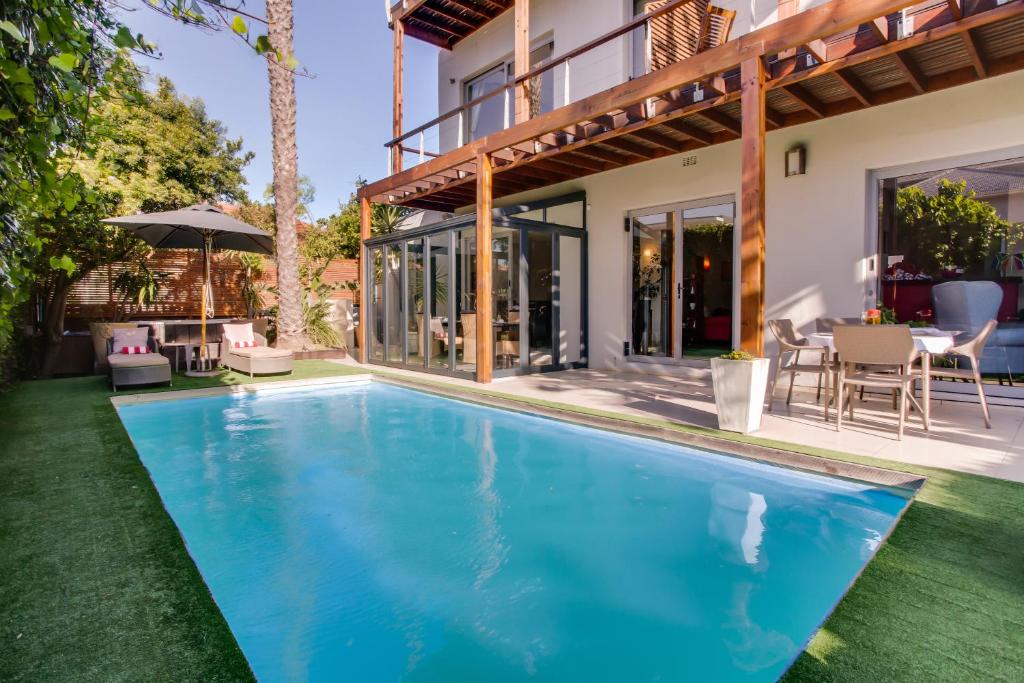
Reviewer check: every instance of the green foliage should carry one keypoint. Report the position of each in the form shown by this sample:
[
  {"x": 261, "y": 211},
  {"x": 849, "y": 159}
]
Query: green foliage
[
  {"x": 951, "y": 228},
  {"x": 386, "y": 219},
  {"x": 156, "y": 152},
  {"x": 252, "y": 290},
  {"x": 58, "y": 60},
  {"x": 737, "y": 354},
  {"x": 138, "y": 287}
]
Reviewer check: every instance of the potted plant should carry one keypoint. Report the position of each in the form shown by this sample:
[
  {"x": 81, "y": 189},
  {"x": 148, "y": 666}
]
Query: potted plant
[{"x": 740, "y": 382}]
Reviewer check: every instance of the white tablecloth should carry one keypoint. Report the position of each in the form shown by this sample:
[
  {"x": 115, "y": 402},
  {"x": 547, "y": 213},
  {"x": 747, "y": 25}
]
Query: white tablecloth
[{"x": 927, "y": 339}]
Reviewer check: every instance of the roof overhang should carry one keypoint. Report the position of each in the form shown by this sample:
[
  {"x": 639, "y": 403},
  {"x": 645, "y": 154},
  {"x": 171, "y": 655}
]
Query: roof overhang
[{"x": 445, "y": 22}]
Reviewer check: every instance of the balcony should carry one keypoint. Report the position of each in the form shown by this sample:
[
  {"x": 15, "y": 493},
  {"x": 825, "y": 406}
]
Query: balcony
[
  {"x": 445, "y": 22},
  {"x": 835, "y": 58}
]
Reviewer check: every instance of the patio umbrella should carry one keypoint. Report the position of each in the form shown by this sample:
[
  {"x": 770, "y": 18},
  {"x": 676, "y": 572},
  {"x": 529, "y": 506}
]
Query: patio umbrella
[{"x": 200, "y": 226}]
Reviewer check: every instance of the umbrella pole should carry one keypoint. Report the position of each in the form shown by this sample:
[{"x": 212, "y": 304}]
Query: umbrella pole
[{"x": 202, "y": 305}]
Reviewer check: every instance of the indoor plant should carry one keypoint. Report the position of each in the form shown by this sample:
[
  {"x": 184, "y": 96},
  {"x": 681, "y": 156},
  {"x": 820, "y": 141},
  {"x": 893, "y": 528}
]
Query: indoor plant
[{"x": 740, "y": 382}]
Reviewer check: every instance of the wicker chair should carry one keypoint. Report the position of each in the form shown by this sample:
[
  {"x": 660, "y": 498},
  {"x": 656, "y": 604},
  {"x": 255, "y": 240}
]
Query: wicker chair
[
  {"x": 862, "y": 348},
  {"x": 791, "y": 341},
  {"x": 971, "y": 350}
]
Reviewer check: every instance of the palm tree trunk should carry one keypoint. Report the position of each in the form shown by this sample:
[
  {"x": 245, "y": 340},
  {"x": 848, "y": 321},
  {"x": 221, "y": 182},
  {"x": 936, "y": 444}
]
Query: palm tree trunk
[{"x": 290, "y": 327}]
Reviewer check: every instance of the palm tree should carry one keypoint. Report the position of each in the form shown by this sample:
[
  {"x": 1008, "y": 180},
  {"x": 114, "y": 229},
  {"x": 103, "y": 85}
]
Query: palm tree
[{"x": 290, "y": 326}]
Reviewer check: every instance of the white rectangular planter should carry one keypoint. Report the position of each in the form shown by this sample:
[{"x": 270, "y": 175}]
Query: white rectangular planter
[{"x": 740, "y": 387}]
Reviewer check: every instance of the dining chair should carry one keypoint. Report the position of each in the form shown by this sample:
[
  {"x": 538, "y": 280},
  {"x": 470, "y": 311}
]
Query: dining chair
[
  {"x": 864, "y": 349},
  {"x": 971, "y": 350},
  {"x": 792, "y": 342}
]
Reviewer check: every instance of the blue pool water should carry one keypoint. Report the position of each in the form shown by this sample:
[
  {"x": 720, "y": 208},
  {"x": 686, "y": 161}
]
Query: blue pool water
[{"x": 372, "y": 533}]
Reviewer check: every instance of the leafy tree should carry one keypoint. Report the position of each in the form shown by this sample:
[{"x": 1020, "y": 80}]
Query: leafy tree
[
  {"x": 156, "y": 153},
  {"x": 950, "y": 228},
  {"x": 58, "y": 60}
]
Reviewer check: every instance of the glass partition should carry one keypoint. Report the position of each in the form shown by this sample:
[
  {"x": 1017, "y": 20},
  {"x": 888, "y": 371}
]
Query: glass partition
[
  {"x": 423, "y": 303},
  {"x": 393, "y": 309},
  {"x": 569, "y": 298},
  {"x": 505, "y": 296},
  {"x": 540, "y": 269},
  {"x": 414, "y": 323},
  {"x": 438, "y": 300},
  {"x": 653, "y": 252},
  {"x": 376, "y": 296},
  {"x": 465, "y": 300}
]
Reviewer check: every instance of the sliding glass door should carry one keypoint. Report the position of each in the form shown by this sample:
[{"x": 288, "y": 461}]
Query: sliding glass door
[{"x": 681, "y": 293}]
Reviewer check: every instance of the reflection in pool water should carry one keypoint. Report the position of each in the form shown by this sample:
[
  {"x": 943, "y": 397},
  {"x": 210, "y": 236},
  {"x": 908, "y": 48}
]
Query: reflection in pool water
[{"x": 374, "y": 533}]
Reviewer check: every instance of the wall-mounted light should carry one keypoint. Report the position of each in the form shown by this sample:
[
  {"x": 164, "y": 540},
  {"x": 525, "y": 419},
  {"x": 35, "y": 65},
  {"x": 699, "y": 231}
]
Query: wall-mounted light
[
  {"x": 796, "y": 161},
  {"x": 707, "y": 263}
]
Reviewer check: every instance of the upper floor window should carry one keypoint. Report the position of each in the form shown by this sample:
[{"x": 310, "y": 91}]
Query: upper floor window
[{"x": 490, "y": 115}]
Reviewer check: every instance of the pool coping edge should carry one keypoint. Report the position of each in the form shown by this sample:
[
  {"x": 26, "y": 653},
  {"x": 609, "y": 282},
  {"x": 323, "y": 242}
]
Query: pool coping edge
[
  {"x": 905, "y": 481},
  {"x": 250, "y": 388}
]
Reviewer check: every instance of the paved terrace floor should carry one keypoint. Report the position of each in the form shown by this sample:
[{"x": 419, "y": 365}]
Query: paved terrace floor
[{"x": 958, "y": 439}]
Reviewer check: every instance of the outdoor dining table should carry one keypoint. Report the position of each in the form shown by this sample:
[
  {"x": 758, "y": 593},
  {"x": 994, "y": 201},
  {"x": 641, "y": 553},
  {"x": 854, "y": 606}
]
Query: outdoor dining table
[{"x": 930, "y": 341}]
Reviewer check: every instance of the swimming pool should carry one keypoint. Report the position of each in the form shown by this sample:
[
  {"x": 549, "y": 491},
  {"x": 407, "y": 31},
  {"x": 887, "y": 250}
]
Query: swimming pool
[{"x": 373, "y": 533}]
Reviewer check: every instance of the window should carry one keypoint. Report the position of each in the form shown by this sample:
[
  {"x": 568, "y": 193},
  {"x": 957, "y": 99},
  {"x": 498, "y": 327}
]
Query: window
[
  {"x": 489, "y": 116},
  {"x": 942, "y": 234}
]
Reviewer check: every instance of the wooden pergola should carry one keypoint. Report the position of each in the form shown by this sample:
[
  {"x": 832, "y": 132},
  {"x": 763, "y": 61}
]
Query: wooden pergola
[{"x": 833, "y": 59}]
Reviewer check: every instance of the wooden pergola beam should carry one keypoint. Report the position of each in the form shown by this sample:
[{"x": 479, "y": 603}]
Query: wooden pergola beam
[
  {"x": 484, "y": 264},
  {"x": 911, "y": 71},
  {"x": 656, "y": 138},
  {"x": 974, "y": 53},
  {"x": 472, "y": 9},
  {"x": 812, "y": 24},
  {"x": 855, "y": 86},
  {"x": 397, "y": 95},
  {"x": 956, "y": 9},
  {"x": 692, "y": 132},
  {"x": 454, "y": 18},
  {"x": 633, "y": 148},
  {"x": 805, "y": 99},
  {"x": 752, "y": 206},
  {"x": 724, "y": 120},
  {"x": 880, "y": 28}
]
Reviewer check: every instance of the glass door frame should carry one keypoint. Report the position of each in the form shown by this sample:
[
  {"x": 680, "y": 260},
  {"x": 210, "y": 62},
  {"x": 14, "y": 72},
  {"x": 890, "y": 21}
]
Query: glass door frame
[
  {"x": 678, "y": 235},
  {"x": 451, "y": 229},
  {"x": 555, "y": 230}
]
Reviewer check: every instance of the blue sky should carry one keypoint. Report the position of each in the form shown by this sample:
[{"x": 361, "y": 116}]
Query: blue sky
[{"x": 344, "y": 112}]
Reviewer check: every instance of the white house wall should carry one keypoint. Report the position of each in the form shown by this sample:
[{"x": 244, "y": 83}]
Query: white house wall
[{"x": 820, "y": 236}]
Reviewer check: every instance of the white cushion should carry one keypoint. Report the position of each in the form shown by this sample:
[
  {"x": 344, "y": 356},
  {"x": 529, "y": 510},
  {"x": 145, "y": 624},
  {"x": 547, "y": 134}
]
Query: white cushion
[
  {"x": 240, "y": 333},
  {"x": 262, "y": 352},
  {"x": 136, "y": 360},
  {"x": 131, "y": 338}
]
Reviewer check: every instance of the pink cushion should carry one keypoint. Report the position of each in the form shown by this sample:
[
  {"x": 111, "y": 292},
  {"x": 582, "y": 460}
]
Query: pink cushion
[
  {"x": 244, "y": 344},
  {"x": 132, "y": 349}
]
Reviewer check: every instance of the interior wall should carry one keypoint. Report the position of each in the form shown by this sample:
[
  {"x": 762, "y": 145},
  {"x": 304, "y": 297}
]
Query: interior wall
[{"x": 820, "y": 234}]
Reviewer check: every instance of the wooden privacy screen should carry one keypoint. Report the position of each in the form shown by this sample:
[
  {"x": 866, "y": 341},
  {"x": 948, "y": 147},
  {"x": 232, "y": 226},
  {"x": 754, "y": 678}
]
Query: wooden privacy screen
[
  {"x": 94, "y": 298},
  {"x": 682, "y": 33}
]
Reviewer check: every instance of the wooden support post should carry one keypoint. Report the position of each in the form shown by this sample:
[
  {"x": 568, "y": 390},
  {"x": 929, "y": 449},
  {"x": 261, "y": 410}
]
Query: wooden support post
[
  {"x": 484, "y": 325},
  {"x": 786, "y": 9},
  {"x": 522, "y": 58},
  {"x": 397, "y": 96},
  {"x": 752, "y": 236},
  {"x": 364, "y": 285}
]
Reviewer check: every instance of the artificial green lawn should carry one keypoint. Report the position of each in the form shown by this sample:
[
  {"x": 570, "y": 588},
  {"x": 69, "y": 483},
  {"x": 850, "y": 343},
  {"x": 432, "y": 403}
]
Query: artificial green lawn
[{"x": 96, "y": 584}]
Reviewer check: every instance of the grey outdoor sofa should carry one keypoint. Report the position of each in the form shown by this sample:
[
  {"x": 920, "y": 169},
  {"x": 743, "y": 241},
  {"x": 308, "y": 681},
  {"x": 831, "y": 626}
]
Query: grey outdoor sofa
[{"x": 138, "y": 368}]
